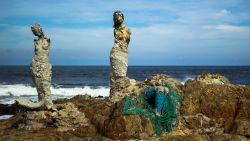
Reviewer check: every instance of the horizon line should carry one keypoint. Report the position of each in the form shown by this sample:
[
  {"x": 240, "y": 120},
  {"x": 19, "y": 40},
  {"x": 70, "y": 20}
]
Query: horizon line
[{"x": 142, "y": 65}]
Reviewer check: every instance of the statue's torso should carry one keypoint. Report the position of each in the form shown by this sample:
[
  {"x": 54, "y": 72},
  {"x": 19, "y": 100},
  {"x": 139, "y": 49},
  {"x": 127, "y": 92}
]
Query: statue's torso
[
  {"x": 122, "y": 38},
  {"x": 42, "y": 47},
  {"x": 40, "y": 66}
]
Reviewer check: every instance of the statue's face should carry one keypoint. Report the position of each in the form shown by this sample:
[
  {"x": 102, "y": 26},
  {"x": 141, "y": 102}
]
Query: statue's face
[
  {"x": 37, "y": 31},
  {"x": 118, "y": 19}
]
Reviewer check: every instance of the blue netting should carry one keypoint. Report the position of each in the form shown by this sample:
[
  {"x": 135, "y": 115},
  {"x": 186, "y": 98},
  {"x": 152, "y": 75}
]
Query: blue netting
[{"x": 145, "y": 103}]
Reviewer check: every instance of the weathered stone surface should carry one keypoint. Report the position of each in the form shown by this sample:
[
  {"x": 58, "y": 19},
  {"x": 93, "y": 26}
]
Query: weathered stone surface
[
  {"x": 238, "y": 138},
  {"x": 66, "y": 118},
  {"x": 192, "y": 137},
  {"x": 212, "y": 79},
  {"x": 96, "y": 110},
  {"x": 7, "y": 109},
  {"x": 160, "y": 79},
  {"x": 242, "y": 127},
  {"x": 219, "y": 102},
  {"x": 126, "y": 127},
  {"x": 123, "y": 87},
  {"x": 243, "y": 107},
  {"x": 41, "y": 72},
  {"x": 48, "y": 134},
  {"x": 119, "y": 52},
  {"x": 217, "y": 112},
  {"x": 222, "y": 104}
]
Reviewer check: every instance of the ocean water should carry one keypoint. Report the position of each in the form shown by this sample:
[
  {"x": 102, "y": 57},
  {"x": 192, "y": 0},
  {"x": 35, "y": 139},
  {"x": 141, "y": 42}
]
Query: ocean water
[{"x": 68, "y": 81}]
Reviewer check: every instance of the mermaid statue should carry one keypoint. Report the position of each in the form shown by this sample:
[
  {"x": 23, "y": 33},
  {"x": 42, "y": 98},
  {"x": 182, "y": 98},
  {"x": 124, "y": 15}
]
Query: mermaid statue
[
  {"x": 40, "y": 71},
  {"x": 119, "y": 52}
]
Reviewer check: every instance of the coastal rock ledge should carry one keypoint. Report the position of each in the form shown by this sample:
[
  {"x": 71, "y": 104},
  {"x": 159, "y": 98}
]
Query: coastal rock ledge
[{"x": 212, "y": 109}]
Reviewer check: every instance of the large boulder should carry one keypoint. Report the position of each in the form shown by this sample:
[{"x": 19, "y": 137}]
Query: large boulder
[
  {"x": 223, "y": 103},
  {"x": 124, "y": 127},
  {"x": 161, "y": 79},
  {"x": 68, "y": 117},
  {"x": 8, "y": 109},
  {"x": 242, "y": 127},
  {"x": 124, "y": 86},
  {"x": 96, "y": 110},
  {"x": 212, "y": 79},
  {"x": 119, "y": 126},
  {"x": 211, "y": 109}
]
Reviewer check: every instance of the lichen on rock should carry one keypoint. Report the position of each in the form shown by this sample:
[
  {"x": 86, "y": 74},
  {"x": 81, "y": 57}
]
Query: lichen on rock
[
  {"x": 68, "y": 117},
  {"x": 209, "y": 111}
]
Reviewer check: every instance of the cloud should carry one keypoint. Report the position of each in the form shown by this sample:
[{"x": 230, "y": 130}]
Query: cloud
[
  {"x": 223, "y": 13},
  {"x": 81, "y": 31},
  {"x": 233, "y": 28},
  {"x": 241, "y": 31}
]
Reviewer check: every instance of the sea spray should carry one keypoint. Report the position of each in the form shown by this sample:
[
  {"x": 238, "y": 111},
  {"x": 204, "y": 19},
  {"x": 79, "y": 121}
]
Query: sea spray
[{"x": 8, "y": 93}]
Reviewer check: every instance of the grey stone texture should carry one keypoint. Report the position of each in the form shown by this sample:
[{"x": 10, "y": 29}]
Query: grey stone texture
[
  {"x": 41, "y": 72},
  {"x": 119, "y": 52}
]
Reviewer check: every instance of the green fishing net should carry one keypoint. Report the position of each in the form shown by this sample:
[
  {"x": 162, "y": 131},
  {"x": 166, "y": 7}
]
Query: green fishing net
[{"x": 140, "y": 106}]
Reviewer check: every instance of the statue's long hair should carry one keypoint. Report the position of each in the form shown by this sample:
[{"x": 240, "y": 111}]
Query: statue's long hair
[
  {"x": 117, "y": 13},
  {"x": 37, "y": 26}
]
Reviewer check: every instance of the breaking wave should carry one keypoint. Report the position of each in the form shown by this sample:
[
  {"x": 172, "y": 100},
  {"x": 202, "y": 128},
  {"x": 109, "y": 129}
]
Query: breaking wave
[{"x": 8, "y": 93}]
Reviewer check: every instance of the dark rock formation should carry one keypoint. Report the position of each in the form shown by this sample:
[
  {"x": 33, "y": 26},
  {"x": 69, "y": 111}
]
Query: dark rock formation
[
  {"x": 66, "y": 118},
  {"x": 119, "y": 126},
  {"x": 209, "y": 111},
  {"x": 212, "y": 79},
  {"x": 211, "y": 107}
]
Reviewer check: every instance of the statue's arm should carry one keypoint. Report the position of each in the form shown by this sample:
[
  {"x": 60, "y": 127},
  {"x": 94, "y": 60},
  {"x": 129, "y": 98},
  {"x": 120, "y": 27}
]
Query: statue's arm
[
  {"x": 129, "y": 33},
  {"x": 116, "y": 36}
]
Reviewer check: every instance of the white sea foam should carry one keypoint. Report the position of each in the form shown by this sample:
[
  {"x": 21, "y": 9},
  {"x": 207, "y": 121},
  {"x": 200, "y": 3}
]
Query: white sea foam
[
  {"x": 185, "y": 79},
  {"x": 5, "y": 117},
  {"x": 9, "y": 92}
]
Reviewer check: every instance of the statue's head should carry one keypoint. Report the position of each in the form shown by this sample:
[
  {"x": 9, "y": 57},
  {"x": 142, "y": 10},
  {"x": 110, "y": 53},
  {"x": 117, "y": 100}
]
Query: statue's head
[
  {"x": 118, "y": 17},
  {"x": 37, "y": 29}
]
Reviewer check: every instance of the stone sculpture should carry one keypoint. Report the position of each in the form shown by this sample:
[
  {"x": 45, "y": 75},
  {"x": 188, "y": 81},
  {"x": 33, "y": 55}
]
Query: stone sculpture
[
  {"x": 40, "y": 71},
  {"x": 119, "y": 52}
]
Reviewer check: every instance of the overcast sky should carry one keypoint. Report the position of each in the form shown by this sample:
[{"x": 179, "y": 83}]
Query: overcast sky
[{"x": 170, "y": 32}]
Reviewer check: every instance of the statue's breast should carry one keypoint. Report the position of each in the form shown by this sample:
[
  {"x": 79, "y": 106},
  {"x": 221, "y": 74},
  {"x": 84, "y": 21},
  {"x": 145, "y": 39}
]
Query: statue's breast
[
  {"x": 121, "y": 35},
  {"x": 42, "y": 44},
  {"x": 42, "y": 47}
]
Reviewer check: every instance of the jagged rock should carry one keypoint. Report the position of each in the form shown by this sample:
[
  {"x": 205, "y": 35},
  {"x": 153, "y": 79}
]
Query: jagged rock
[
  {"x": 242, "y": 127},
  {"x": 8, "y": 109},
  {"x": 243, "y": 105},
  {"x": 132, "y": 126},
  {"x": 127, "y": 127},
  {"x": 197, "y": 123},
  {"x": 238, "y": 138},
  {"x": 161, "y": 79},
  {"x": 66, "y": 118},
  {"x": 223, "y": 104},
  {"x": 125, "y": 86},
  {"x": 96, "y": 110},
  {"x": 212, "y": 79},
  {"x": 208, "y": 112},
  {"x": 192, "y": 137}
]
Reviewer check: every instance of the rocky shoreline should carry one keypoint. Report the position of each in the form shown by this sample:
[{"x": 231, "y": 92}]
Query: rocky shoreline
[{"x": 211, "y": 109}]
